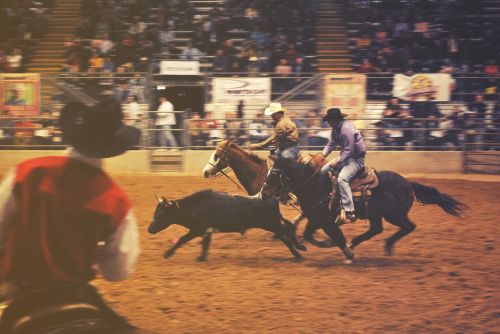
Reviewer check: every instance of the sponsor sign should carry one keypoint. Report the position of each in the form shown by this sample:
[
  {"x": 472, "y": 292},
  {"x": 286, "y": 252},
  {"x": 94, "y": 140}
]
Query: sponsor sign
[
  {"x": 347, "y": 92},
  {"x": 254, "y": 91},
  {"x": 20, "y": 94},
  {"x": 423, "y": 87},
  {"x": 179, "y": 67}
]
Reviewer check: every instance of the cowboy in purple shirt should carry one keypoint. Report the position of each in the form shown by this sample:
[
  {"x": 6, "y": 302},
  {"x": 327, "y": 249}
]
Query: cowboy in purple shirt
[{"x": 352, "y": 155}]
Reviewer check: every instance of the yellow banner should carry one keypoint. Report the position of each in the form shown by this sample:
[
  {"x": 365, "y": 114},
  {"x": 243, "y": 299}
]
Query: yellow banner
[{"x": 347, "y": 92}]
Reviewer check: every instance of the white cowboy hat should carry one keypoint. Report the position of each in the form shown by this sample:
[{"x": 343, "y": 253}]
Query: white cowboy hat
[{"x": 273, "y": 108}]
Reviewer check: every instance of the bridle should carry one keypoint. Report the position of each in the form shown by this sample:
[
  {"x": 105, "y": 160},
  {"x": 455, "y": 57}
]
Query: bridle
[{"x": 223, "y": 171}]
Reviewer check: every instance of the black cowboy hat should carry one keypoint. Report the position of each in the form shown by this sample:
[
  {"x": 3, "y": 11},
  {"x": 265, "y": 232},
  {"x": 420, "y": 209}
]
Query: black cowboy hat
[
  {"x": 334, "y": 113},
  {"x": 97, "y": 131}
]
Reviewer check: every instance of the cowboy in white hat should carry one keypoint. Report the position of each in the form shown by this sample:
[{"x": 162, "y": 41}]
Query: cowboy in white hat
[{"x": 285, "y": 137}]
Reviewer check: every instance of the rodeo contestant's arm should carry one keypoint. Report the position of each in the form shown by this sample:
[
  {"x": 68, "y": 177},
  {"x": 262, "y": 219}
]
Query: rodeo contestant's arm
[
  {"x": 281, "y": 131},
  {"x": 7, "y": 205},
  {"x": 116, "y": 261},
  {"x": 330, "y": 146}
]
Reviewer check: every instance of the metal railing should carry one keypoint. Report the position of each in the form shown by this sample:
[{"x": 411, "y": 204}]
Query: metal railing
[{"x": 413, "y": 134}]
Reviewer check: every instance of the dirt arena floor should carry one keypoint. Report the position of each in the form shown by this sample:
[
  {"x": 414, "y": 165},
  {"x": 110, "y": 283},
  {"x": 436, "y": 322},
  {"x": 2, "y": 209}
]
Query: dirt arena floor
[{"x": 443, "y": 278}]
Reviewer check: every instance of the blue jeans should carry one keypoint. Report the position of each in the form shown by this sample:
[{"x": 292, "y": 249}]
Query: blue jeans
[
  {"x": 347, "y": 171},
  {"x": 289, "y": 153},
  {"x": 165, "y": 136}
]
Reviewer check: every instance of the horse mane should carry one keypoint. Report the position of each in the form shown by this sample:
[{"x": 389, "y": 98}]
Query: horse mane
[{"x": 252, "y": 156}]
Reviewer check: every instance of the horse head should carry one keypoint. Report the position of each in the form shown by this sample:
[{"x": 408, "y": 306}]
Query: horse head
[{"x": 218, "y": 160}]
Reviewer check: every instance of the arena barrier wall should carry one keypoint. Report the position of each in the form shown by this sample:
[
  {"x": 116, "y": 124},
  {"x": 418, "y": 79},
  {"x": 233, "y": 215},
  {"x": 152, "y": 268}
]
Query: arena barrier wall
[{"x": 138, "y": 161}]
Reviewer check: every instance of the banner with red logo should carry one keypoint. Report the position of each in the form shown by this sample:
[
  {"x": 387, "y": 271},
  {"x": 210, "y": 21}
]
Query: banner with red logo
[
  {"x": 423, "y": 87},
  {"x": 20, "y": 94}
]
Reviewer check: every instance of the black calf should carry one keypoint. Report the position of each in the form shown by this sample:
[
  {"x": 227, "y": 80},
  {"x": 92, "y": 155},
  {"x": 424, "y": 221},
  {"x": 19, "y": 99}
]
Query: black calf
[{"x": 207, "y": 211}]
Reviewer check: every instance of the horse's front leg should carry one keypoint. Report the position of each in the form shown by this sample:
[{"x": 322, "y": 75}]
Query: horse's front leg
[{"x": 182, "y": 240}]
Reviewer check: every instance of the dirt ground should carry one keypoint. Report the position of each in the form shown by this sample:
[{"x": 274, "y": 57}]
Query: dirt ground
[{"x": 441, "y": 279}]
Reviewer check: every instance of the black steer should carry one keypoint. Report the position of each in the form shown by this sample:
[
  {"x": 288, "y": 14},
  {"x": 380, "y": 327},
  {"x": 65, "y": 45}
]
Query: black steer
[{"x": 207, "y": 211}]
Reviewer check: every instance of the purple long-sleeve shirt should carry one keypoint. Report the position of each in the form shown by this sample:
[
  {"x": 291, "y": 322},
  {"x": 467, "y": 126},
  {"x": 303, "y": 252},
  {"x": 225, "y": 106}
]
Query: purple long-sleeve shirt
[{"x": 350, "y": 141}]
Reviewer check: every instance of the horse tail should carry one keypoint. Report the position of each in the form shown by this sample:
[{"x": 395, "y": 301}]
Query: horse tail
[
  {"x": 291, "y": 229},
  {"x": 430, "y": 195}
]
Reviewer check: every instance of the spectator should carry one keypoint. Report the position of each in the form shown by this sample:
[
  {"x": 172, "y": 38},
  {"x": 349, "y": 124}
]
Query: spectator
[
  {"x": 257, "y": 129},
  {"x": 367, "y": 67},
  {"x": 478, "y": 107},
  {"x": 234, "y": 129},
  {"x": 283, "y": 72},
  {"x": 198, "y": 131},
  {"x": 220, "y": 62},
  {"x": 215, "y": 133},
  {"x": 191, "y": 53},
  {"x": 165, "y": 120},
  {"x": 455, "y": 127},
  {"x": 240, "y": 109},
  {"x": 132, "y": 112}
]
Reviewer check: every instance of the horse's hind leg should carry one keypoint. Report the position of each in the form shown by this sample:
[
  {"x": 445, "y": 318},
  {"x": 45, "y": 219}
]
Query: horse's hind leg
[
  {"x": 205, "y": 244},
  {"x": 375, "y": 228},
  {"x": 406, "y": 228}
]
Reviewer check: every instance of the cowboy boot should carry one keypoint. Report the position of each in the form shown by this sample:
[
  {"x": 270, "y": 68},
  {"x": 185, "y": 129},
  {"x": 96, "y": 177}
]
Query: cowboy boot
[{"x": 351, "y": 215}]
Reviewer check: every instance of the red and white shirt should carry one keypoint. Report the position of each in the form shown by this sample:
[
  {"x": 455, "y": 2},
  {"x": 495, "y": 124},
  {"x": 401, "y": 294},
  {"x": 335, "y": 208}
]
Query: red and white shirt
[{"x": 62, "y": 216}]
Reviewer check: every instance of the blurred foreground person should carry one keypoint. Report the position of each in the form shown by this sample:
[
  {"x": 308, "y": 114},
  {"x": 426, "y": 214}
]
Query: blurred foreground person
[{"x": 62, "y": 219}]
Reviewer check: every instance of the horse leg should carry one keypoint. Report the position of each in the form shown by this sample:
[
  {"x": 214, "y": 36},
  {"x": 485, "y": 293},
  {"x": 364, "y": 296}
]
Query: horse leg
[
  {"x": 309, "y": 237},
  {"x": 290, "y": 230},
  {"x": 406, "y": 228},
  {"x": 205, "y": 244},
  {"x": 282, "y": 235},
  {"x": 375, "y": 228},
  {"x": 185, "y": 238},
  {"x": 336, "y": 234}
]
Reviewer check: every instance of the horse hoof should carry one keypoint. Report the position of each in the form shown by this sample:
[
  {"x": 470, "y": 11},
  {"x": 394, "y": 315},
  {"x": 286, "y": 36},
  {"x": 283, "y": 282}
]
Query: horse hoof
[
  {"x": 167, "y": 255},
  {"x": 201, "y": 258},
  {"x": 298, "y": 258},
  {"x": 347, "y": 261},
  {"x": 301, "y": 247}
]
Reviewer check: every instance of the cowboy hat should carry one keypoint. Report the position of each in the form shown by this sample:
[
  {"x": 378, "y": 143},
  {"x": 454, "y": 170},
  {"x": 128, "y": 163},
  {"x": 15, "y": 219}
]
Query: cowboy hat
[
  {"x": 334, "y": 113},
  {"x": 97, "y": 131},
  {"x": 273, "y": 108}
]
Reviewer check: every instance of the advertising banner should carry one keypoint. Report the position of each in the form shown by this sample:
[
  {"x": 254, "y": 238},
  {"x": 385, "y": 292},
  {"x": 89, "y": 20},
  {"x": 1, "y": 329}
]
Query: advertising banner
[
  {"x": 423, "y": 87},
  {"x": 347, "y": 92},
  {"x": 179, "y": 67},
  {"x": 253, "y": 91},
  {"x": 20, "y": 94}
]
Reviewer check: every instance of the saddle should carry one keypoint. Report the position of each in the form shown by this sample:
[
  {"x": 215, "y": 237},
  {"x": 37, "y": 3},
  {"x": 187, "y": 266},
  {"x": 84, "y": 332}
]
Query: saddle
[
  {"x": 60, "y": 311},
  {"x": 364, "y": 179}
]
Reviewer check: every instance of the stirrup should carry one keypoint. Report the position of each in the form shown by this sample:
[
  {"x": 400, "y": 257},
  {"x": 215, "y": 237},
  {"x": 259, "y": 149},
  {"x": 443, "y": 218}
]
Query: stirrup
[{"x": 350, "y": 215}]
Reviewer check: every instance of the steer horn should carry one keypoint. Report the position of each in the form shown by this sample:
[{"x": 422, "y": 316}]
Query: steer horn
[{"x": 159, "y": 199}]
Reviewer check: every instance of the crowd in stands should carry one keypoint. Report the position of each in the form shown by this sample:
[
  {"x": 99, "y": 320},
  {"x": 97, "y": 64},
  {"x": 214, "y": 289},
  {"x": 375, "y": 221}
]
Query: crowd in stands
[
  {"x": 422, "y": 124},
  {"x": 22, "y": 22},
  {"x": 423, "y": 36},
  {"x": 132, "y": 34}
]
